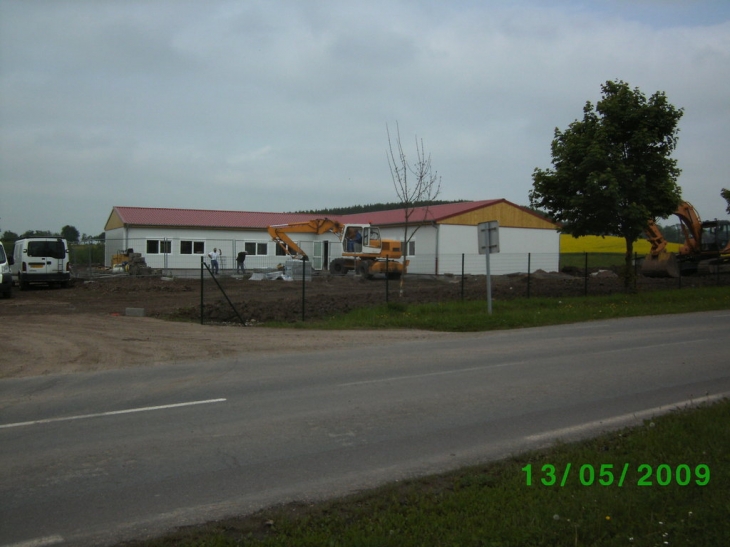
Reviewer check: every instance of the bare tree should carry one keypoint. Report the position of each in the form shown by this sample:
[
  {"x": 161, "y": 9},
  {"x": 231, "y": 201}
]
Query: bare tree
[{"x": 416, "y": 184}]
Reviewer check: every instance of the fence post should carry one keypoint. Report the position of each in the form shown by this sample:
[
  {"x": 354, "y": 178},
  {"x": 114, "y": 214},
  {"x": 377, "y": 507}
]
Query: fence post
[
  {"x": 462, "y": 276},
  {"x": 387, "y": 279},
  {"x": 202, "y": 284},
  {"x": 529, "y": 256},
  {"x": 585, "y": 276},
  {"x": 304, "y": 284}
]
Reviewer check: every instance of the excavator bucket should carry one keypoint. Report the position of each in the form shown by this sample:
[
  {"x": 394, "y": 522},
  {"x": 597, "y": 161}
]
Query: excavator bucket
[{"x": 665, "y": 264}]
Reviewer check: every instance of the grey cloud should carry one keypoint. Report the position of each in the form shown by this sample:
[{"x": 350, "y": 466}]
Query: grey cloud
[{"x": 212, "y": 104}]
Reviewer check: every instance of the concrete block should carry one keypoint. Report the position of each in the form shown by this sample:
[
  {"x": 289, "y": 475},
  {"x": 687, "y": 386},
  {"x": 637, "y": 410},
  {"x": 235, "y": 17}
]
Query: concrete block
[{"x": 134, "y": 312}]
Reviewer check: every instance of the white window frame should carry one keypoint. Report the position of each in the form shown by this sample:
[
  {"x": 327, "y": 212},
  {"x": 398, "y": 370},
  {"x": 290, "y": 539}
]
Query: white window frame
[
  {"x": 193, "y": 243},
  {"x": 253, "y": 248},
  {"x": 161, "y": 245}
]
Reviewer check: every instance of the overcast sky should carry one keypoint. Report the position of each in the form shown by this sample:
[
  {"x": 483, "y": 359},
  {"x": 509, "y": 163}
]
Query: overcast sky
[{"x": 282, "y": 105}]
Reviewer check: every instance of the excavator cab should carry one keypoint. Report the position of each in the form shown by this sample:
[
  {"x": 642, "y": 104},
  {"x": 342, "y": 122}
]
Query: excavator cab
[
  {"x": 361, "y": 240},
  {"x": 715, "y": 236}
]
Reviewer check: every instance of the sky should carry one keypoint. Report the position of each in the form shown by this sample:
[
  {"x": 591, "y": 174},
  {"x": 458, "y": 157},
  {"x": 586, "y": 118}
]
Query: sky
[{"x": 284, "y": 105}]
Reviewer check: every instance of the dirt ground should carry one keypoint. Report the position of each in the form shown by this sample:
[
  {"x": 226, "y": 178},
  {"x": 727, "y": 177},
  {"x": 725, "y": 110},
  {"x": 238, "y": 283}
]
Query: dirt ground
[{"x": 89, "y": 325}]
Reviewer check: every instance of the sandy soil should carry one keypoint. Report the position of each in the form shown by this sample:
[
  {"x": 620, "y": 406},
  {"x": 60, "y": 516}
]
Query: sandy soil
[
  {"x": 44, "y": 344},
  {"x": 86, "y": 327}
]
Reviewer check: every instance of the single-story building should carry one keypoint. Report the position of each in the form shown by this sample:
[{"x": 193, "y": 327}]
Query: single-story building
[{"x": 441, "y": 238}]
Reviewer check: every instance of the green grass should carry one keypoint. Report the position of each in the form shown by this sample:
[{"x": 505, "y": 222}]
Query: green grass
[
  {"x": 492, "y": 505},
  {"x": 470, "y": 316}
]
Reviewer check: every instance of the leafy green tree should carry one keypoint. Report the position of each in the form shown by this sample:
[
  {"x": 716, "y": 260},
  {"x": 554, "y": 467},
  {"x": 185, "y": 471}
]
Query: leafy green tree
[
  {"x": 8, "y": 239},
  {"x": 726, "y": 194},
  {"x": 70, "y": 234},
  {"x": 37, "y": 233},
  {"x": 672, "y": 233},
  {"x": 10, "y": 236},
  {"x": 613, "y": 171}
]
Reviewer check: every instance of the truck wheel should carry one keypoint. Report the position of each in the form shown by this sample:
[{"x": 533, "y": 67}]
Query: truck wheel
[
  {"x": 337, "y": 267},
  {"x": 363, "y": 269}
]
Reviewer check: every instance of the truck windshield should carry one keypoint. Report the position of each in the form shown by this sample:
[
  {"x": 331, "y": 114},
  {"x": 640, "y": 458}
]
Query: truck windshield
[
  {"x": 2, "y": 255},
  {"x": 46, "y": 249}
]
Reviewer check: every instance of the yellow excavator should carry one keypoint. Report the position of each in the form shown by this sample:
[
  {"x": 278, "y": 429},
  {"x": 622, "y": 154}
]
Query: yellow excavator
[
  {"x": 363, "y": 250},
  {"x": 704, "y": 242}
]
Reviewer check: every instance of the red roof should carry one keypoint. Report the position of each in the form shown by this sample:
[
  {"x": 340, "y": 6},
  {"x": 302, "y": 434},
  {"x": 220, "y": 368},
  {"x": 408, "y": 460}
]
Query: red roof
[
  {"x": 434, "y": 213},
  {"x": 151, "y": 216},
  {"x": 204, "y": 218}
]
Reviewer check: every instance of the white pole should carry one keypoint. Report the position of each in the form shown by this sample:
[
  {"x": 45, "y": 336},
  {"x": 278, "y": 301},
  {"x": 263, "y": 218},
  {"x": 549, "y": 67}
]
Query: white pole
[{"x": 489, "y": 276}]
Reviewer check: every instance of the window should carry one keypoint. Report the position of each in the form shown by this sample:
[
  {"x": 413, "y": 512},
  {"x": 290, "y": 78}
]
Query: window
[
  {"x": 192, "y": 247},
  {"x": 371, "y": 237},
  {"x": 253, "y": 248},
  {"x": 159, "y": 246},
  {"x": 411, "y": 247},
  {"x": 49, "y": 249}
]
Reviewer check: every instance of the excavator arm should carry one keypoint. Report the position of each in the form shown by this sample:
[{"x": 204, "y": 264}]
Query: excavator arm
[
  {"x": 661, "y": 263},
  {"x": 691, "y": 225},
  {"x": 280, "y": 233},
  {"x": 655, "y": 237}
]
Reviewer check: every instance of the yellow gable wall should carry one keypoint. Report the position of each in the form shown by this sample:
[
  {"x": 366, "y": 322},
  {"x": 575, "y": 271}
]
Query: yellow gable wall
[
  {"x": 506, "y": 214},
  {"x": 114, "y": 221}
]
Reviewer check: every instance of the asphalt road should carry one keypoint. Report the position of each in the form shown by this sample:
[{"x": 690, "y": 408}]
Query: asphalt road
[{"x": 91, "y": 459}]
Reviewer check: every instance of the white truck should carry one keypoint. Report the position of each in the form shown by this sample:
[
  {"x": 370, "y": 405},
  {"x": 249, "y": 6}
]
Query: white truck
[{"x": 41, "y": 260}]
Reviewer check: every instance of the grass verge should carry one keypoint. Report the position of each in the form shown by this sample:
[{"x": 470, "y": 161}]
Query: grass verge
[
  {"x": 471, "y": 316},
  {"x": 679, "y": 498}
]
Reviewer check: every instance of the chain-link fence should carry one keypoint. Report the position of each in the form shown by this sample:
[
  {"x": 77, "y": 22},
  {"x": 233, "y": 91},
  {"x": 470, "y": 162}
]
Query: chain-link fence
[{"x": 585, "y": 273}]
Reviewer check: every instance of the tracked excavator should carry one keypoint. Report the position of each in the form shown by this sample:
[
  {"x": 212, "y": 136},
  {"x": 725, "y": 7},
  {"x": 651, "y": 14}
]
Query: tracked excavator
[
  {"x": 705, "y": 242},
  {"x": 363, "y": 250}
]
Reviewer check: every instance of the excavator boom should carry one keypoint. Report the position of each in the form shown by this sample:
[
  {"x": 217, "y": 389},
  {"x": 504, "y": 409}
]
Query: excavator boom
[
  {"x": 702, "y": 240},
  {"x": 280, "y": 233}
]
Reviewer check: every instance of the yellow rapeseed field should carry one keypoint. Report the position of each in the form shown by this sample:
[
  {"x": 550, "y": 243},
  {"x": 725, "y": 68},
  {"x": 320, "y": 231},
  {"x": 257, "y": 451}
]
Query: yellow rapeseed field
[{"x": 608, "y": 244}]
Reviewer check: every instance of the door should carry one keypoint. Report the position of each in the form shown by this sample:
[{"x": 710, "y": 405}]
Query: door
[
  {"x": 46, "y": 257},
  {"x": 371, "y": 240},
  {"x": 318, "y": 255}
]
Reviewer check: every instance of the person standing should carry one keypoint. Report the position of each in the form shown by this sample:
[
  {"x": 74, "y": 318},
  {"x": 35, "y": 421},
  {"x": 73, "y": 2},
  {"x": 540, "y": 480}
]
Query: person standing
[
  {"x": 240, "y": 262},
  {"x": 214, "y": 260}
]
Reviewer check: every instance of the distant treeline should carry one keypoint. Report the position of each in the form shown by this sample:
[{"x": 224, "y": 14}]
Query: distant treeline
[{"x": 371, "y": 207}]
